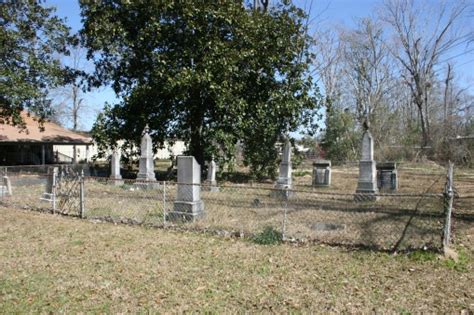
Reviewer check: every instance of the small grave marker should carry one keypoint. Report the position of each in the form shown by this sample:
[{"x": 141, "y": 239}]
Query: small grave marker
[{"x": 322, "y": 173}]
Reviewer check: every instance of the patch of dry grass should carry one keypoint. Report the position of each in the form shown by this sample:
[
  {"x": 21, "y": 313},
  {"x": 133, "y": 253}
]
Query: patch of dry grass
[{"x": 50, "y": 263}]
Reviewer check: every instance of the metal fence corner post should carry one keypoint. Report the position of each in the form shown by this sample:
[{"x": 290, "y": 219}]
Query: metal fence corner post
[{"x": 448, "y": 202}]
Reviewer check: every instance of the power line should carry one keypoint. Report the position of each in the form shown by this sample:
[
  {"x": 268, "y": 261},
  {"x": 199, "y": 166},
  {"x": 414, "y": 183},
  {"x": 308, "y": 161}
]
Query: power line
[{"x": 458, "y": 55}]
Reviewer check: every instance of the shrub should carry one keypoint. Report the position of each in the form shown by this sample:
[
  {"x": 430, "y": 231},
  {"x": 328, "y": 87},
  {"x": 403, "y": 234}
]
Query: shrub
[{"x": 269, "y": 236}]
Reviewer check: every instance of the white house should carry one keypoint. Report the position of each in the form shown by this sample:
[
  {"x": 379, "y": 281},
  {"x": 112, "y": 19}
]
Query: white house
[{"x": 65, "y": 153}]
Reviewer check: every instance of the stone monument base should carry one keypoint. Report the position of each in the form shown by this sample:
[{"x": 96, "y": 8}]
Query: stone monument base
[
  {"x": 187, "y": 211},
  {"x": 146, "y": 185},
  {"x": 210, "y": 186},
  {"x": 47, "y": 197},
  {"x": 367, "y": 184},
  {"x": 283, "y": 183},
  {"x": 365, "y": 196},
  {"x": 116, "y": 181},
  {"x": 282, "y": 191}
]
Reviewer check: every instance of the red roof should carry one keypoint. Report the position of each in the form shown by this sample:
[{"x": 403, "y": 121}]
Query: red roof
[{"x": 52, "y": 134}]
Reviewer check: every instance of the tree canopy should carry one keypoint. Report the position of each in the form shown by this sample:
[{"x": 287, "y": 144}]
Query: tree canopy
[
  {"x": 31, "y": 36},
  {"x": 210, "y": 73}
]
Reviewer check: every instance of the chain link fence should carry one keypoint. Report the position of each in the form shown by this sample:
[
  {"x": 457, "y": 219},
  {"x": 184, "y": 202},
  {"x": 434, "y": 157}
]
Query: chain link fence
[
  {"x": 395, "y": 221},
  {"x": 125, "y": 200}
]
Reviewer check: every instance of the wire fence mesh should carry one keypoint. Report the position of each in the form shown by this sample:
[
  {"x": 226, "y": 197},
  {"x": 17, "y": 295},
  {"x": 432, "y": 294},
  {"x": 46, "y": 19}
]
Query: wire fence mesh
[
  {"x": 414, "y": 217},
  {"x": 125, "y": 200}
]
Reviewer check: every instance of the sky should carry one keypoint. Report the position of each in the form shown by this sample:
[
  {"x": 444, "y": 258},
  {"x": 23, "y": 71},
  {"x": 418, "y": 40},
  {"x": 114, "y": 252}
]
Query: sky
[{"x": 323, "y": 12}]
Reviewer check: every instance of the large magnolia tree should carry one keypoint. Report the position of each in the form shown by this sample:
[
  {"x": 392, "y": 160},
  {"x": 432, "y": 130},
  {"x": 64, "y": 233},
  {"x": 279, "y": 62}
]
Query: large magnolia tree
[
  {"x": 31, "y": 37},
  {"x": 210, "y": 73}
]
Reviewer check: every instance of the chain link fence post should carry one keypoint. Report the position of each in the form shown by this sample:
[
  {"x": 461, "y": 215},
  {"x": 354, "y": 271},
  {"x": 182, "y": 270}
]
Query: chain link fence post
[
  {"x": 285, "y": 211},
  {"x": 448, "y": 202},
  {"x": 53, "y": 190},
  {"x": 81, "y": 195},
  {"x": 164, "y": 203}
]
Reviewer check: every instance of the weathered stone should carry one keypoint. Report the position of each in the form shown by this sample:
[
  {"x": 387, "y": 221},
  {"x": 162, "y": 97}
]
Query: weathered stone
[
  {"x": 387, "y": 177},
  {"x": 115, "y": 176},
  {"x": 50, "y": 184},
  {"x": 326, "y": 227},
  {"x": 322, "y": 173},
  {"x": 367, "y": 184},
  {"x": 211, "y": 183},
  {"x": 188, "y": 205},
  {"x": 51, "y": 179},
  {"x": 146, "y": 170},
  {"x": 284, "y": 180},
  {"x": 7, "y": 187}
]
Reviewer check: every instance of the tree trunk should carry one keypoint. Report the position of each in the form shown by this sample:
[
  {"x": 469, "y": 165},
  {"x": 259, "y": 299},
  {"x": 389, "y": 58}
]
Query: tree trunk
[
  {"x": 196, "y": 146},
  {"x": 424, "y": 133}
]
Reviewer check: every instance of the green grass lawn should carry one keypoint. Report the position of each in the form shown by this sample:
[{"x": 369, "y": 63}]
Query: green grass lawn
[{"x": 50, "y": 263}]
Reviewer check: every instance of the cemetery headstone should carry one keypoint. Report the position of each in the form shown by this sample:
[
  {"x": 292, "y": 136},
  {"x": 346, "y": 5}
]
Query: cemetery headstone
[
  {"x": 188, "y": 205},
  {"x": 115, "y": 176},
  {"x": 387, "y": 179},
  {"x": 6, "y": 189},
  {"x": 322, "y": 173},
  {"x": 50, "y": 184},
  {"x": 284, "y": 179},
  {"x": 367, "y": 183},
  {"x": 211, "y": 176},
  {"x": 146, "y": 170}
]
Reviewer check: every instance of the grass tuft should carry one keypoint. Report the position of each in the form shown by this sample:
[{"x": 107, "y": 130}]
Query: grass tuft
[
  {"x": 269, "y": 236},
  {"x": 422, "y": 256},
  {"x": 461, "y": 265}
]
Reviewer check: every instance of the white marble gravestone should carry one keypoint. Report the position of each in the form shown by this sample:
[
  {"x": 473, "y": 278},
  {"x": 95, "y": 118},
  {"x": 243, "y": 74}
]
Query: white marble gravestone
[
  {"x": 211, "y": 176},
  {"x": 284, "y": 178},
  {"x": 188, "y": 205},
  {"x": 367, "y": 184},
  {"x": 6, "y": 189},
  {"x": 146, "y": 170},
  {"x": 115, "y": 176}
]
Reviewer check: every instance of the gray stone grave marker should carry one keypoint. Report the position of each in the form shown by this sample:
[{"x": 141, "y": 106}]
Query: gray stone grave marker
[
  {"x": 211, "y": 176},
  {"x": 188, "y": 205},
  {"x": 115, "y": 176},
  {"x": 284, "y": 179},
  {"x": 50, "y": 183},
  {"x": 387, "y": 177},
  {"x": 6, "y": 189},
  {"x": 322, "y": 173}
]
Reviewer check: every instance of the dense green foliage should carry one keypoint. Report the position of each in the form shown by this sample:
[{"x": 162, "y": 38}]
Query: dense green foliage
[
  {"x": 31, "y": 37},
  {"x": 210, "y": 73}
]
